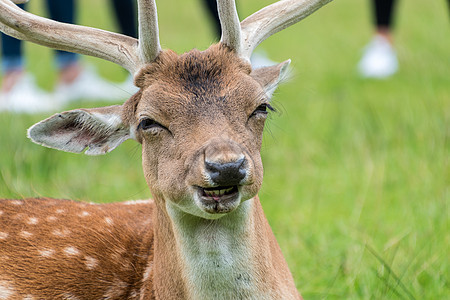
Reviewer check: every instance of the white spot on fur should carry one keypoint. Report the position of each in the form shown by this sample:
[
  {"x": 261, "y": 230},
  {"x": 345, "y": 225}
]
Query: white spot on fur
[
  {"x": 28, "y": 297},
  {"x": 61, "y": 232},
  {"x": 1, "y": 212},
  {"x": 18, "y": 216},
  {"x": 134, "y": 294},
  {"x": 16, "y": 202},
  {"x": 148, "y": 271},
  {"x": 32, "y": 221},
  {"x": 109, "y": 221},
  {"x": 84, "y": 214},
  {"x": 46, "y": 252},
  {"x": 134, "y": 202},
  {"x": 117, "y": 289},
  {"x": 3, "y": 235},
  {"x": 25, "y": 234},
  {"x": 71, "y": 250},
  {"x": 90, "y": 262},
  {"x": 6, "y": 290},
  {"x": 69, "y": 296},
  {"x": 52, "y": 218},
  {"x": 60, "y": 211}
]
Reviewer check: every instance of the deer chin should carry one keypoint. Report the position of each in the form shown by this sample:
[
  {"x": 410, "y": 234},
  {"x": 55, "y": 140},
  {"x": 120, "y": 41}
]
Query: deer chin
[{"x": 218, "y": 200}]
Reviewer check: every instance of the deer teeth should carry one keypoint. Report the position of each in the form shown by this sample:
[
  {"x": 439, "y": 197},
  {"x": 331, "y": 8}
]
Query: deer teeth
[
  {"x": 228, "y": 190},
  {"x": 218, "y": 193}
]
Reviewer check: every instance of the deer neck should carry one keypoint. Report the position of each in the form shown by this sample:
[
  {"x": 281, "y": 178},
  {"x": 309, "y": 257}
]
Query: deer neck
[{"x": 213, "y": 259}]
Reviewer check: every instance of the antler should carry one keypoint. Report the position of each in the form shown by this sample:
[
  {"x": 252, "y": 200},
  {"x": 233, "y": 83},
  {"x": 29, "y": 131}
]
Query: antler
[
  {"x": 149, "y": 46},
  {"x": 244, "y": 37},
  {"x": 132, "y": 54},
  {"x": 125, "y": 51},
  {"x": 229, "y": 21}
]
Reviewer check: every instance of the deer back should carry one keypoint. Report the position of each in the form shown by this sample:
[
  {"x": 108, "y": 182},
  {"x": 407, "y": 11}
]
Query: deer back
[{"x": 62, "y": 249}]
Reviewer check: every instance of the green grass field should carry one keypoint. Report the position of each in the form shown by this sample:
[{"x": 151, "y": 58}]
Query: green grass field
[{"x": 357, "y": 177}]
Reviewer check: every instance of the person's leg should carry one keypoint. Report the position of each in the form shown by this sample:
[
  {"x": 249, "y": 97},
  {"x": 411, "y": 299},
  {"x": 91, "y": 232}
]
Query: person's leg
[
  {"x": 12, "y": 61},
  {"x": 77, "y": 81},
  {"x": 379, "y": 59},
  {"x": 125, "y": 12},
  {"x": 66, "y": 62},
  {"x": 383, "y": 11},
  {"x": 211, "y": 5},
  {"x": 19, "y": 92}
]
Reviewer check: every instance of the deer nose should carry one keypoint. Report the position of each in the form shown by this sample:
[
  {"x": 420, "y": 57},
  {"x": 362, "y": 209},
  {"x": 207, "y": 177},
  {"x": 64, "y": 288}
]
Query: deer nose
[{"x": 227, "y": 174}]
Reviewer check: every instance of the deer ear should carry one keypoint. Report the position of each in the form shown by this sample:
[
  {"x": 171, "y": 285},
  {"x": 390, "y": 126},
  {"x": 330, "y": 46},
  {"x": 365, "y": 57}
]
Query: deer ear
[
  {"x": 100, "y": 130},
  {"x": 270, "y": 77}
]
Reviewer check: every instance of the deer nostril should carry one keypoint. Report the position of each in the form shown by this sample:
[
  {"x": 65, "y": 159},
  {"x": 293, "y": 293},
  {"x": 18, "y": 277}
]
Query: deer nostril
[{"x": 226, "y": 174}]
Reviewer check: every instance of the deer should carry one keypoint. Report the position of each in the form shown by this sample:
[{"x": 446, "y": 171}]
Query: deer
[{"x": 199, "y": 117}]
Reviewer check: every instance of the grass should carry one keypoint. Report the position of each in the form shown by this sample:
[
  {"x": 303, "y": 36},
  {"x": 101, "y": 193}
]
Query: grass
[{"x": 356, "y": 183}]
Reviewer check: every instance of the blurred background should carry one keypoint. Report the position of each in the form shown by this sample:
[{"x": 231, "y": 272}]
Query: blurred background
[{"x": 357, "y": 174}]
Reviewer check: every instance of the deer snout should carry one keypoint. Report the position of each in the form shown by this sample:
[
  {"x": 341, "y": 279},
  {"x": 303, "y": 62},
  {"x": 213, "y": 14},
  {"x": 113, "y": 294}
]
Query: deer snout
[
  {"x": 227, "y": 173},
  {"x": 227, "y": 176},
  {"x": 225, "y": 163}
]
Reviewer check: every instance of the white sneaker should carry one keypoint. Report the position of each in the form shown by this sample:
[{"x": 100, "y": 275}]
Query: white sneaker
[
  {"x": 90, "y": 86},
  {"x": 26, "y": 97},
  {"x": 379, "y": 59}
]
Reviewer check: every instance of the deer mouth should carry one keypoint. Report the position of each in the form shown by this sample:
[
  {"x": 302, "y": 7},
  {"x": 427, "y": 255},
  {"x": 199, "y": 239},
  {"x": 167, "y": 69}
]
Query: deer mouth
[
  {"x": 221, "y": 199},
  {"x": 219, "y": 193}
]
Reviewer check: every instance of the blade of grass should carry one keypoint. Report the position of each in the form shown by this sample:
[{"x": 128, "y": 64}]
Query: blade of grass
[{"x": 390, "y": 272}]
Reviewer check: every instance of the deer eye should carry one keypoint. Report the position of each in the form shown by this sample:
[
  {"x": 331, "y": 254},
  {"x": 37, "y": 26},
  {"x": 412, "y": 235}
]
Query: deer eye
[
  {"x": 147, "y": 124},
  {"x": 262, "y": 109}
]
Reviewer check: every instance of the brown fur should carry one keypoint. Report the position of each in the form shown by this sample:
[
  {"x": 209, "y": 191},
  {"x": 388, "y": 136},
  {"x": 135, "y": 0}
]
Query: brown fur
[
  {"x": 205, "y": 100},
  {"x": 64, "y": 248},
  {"x": 200, "y": 118}
]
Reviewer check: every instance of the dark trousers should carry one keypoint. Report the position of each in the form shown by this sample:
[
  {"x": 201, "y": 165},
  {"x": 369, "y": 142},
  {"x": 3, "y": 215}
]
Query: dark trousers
[
  {"x": 211, "y": 5},
  {"x": 125, "y": 13},
  {"x": 383, "y": 12},
  {"x": 64, "y": 11},
  {"x": 11, "y": 49}
]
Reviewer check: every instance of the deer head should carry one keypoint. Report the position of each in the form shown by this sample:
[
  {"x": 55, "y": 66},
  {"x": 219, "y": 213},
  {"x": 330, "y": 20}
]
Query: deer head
[{"x": 200, "y": 118}]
